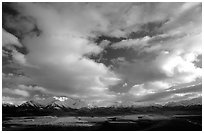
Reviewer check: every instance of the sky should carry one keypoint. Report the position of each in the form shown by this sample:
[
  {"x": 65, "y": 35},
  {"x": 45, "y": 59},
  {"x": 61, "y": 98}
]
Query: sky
[{"x": 102, "y": 53}]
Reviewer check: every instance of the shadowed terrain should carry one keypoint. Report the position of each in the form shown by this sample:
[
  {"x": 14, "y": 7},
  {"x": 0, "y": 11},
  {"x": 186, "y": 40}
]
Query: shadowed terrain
[{"x": 161, "y": 118}]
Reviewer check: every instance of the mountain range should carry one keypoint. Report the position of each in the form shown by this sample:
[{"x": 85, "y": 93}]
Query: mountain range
[
  {"x": 55, "y": 103},
  {"x": 65, "y": 106},
  {"x": 67, "y": 102}
]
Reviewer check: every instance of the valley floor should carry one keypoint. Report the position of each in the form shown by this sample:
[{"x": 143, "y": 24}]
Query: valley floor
[{"x": 137, "y": 122}]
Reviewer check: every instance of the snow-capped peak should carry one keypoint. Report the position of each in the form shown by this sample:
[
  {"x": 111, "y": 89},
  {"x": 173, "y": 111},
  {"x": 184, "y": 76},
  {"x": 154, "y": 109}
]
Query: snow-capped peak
[{"x": 60, "y": 98}]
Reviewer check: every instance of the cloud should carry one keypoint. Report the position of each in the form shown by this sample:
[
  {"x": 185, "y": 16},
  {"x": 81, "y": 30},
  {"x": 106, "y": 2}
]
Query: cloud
[
  {"x": 187, "y": 18},
  {"x": 19, "y": 58},
  {"x": 171, "y": 68},
  {"x": 60, "y": 40},
  {"x": 58, "y": 54},
  {"x": 148, "y": 88},
  {"x": 13, "y": 100},
  {"x": 9, "y": 39},
  {"x": 139, "y": 90},
  {"x": 174, "y": 51},
  {"x": 172, "y": 95},
  {"x": 12, "y": 80},
  {"x": 141, "y": 95},
  {"x": 16, "y": 92},
  {"x": 31, "y": 88},
  {"x": 20, "y": 86},
  {"x": 104, "y": 43},
  {"x": 131, "y": 43}
]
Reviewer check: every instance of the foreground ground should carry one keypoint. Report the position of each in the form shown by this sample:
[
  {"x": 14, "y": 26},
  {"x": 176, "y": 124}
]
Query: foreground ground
[{"x": 122, "y": 122}]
